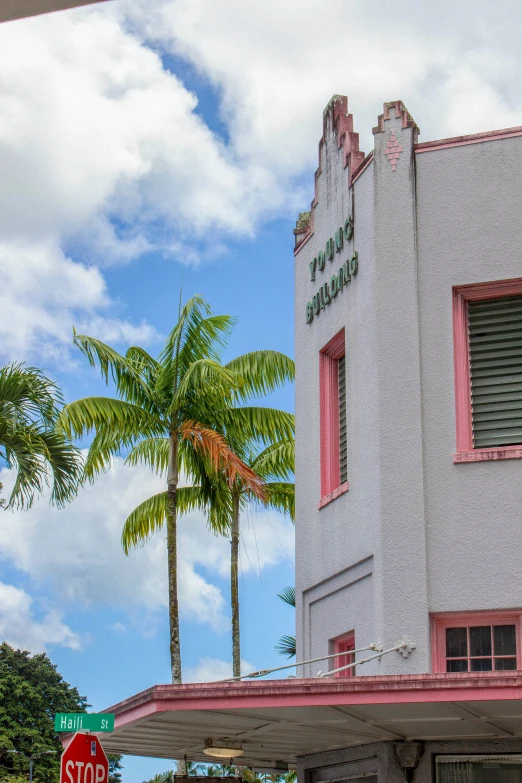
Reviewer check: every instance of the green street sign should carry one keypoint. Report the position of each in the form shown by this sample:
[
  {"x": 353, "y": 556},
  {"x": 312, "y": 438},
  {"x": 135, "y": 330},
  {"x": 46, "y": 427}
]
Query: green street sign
[{"x": 81, "y": 721}]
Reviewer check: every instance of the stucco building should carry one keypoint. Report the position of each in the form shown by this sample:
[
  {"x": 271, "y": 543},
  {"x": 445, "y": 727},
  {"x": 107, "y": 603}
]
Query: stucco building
[{"x": 408, "y": 320}]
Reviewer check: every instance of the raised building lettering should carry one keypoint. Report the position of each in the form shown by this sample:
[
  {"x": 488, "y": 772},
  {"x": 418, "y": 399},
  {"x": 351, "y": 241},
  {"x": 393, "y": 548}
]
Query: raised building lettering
[{"x": 330, "y": 249}]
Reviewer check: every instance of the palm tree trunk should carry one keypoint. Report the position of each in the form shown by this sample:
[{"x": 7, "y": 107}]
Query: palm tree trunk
[
  {"x": 236, "y": 650},
  {"x": 172, "y": 488}
]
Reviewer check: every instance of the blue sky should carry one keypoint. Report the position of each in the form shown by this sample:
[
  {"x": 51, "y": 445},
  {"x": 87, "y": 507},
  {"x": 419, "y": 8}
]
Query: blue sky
[{"x": 149, "y": 144}]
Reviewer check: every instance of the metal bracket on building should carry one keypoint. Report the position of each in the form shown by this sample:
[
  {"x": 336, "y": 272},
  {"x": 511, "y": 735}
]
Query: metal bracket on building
[{"x": 406, "y": 647}]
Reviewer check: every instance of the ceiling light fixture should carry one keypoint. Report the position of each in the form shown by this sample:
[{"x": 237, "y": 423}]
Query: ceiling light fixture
[{"x": 222, "y": 748}]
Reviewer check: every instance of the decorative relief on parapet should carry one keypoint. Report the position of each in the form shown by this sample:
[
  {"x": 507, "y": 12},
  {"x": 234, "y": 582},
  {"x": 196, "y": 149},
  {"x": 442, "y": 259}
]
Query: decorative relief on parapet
[
  {"x": 401, "y": 113},
  {"x": 338, "y": 123},
  {"x": 393, "y": 150}
]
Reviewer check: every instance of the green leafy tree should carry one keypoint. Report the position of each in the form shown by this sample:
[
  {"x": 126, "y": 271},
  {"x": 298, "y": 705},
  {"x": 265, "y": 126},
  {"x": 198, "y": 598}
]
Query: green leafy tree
[
  {"x": 161, "y": 418},
  {"x": 115, "y": 767},
  {"x": 190, "y": 768},
  {"x": 287, "y": 644},
  {"x": 224, "y": 771},
  {"x": 221, "y": 497},
  {"x": 31, "y": 692},
  {"x": 29, "y": 441}
]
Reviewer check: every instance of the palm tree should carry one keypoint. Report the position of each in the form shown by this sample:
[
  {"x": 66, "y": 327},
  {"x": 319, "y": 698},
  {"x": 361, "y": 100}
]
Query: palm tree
[
  {"x": 161, "y": 418},
  {"x": 273, "y": 464},
  {"x": 244, "y": 428},
  {"x": 287, "y": 644},
  {"x": 29, "y": 441}
]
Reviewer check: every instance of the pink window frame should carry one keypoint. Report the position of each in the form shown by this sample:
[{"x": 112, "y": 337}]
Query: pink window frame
[
  {"x": 475, "y": 292},
  {"x": 347, "y": 638},
  {"x": 331, "y": 487},
  {"x": 440, "y": 622}
]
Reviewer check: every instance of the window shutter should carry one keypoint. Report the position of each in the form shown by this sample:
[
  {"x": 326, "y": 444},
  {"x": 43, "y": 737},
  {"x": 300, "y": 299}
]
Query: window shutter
[
  {"x": 343, "y": 456},
  {"x": 495, "y": 343}
]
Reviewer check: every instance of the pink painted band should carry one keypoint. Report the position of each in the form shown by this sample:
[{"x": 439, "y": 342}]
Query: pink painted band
[
  {"x": 389, "y": 689},
  {"x": 362, "y": 168},
  {"x": 329, "y": 413},
  {"x": 326, "y": 499},
  {"x": 474, "y": 138}
]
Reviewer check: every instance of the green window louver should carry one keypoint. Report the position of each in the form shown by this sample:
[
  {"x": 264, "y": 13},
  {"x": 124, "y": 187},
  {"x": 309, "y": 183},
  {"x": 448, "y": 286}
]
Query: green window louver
[
  {"x": 343, "y": 456},
  {"x": 495, "y": 346}
]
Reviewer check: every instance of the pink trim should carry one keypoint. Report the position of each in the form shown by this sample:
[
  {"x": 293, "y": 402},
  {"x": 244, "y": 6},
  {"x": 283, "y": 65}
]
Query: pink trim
[
  {"x": 462, "y": 372},
  {"x": 483, "y": 455},
  {"x": 474, "y": 138},
  {"x": 439, "y": 623},
  {"x": 387, "y": 689},
  {"x": 475, "y": 292},
  {"x": 329, "y": 413},
  {"x": 344, "y": 645},
  {"x": 333, "y": 495},
  {"x": 401, "y": 113},
  {"x": 302, "y": 242},
  {"x": 362, "y": 168},
  {"x": 337, "y": 120}
]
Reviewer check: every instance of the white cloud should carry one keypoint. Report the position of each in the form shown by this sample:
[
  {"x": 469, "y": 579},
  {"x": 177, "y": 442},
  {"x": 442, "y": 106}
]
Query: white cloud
[
  {"x": 277, "y": 64},
  {"x": 104, "y": 153},
  {"x": 19, "y": 628},
  {"x": 76, "y": 552},
  {"x": 44, "y": 293},
  {"x": 214, "y": 669}
]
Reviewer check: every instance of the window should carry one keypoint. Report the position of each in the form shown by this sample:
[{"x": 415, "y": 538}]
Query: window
[
  {"x": 478, "y": 642},
  {"x": 332, "y": 390},
  {"x": 344, "y": 647},
  {"x": 487, "y": 332},
  {"x": 478, "y": 768}
]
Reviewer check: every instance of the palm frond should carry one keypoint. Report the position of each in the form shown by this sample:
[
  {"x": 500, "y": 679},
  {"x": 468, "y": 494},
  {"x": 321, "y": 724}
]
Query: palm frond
[
  {"x": 194, "y": 310},
  {"x": 221, "y": 458},
  {"x": 64, "y": 461},
  {"x": 153, "y": 452},
  {"x": 41, "y": 458},
  {"x": 257, "y": 423},
  {"x": 287, "y": 595},
  {"x": 197, "y": 334},
  {"x": 204, "y": 378},
  {"x": 280, "y": 495},
  {"x": 261, "y": 372},
  {"x": 140, "y": 359},
  {"x": 127, "y": 378},
  {"x": 129, "y": 421},
  {"x": 286, "y": 646},
  {"x": 205, "y": 339},
  {"x": 26, "y": 393},
  {"x": 144, "y": 521},
  {"x": 277, "y": 461},
  {"x": 21, "y": 453}
]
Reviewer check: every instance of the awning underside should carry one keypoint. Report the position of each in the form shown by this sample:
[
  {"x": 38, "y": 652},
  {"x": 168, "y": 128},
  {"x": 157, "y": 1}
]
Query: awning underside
[{"x": 280, "y": 733}]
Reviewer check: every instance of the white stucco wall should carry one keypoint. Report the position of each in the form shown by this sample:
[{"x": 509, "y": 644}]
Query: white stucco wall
[
  {"x": 469, "y": 231},
  {"x": 415, "y": 533}
]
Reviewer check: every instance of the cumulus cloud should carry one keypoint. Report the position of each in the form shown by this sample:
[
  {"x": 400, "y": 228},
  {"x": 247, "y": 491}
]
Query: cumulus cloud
[
  {"x": 76, "y": 552},
  {"x": 105, "y": 154},
  {"x": 214, "y": 669},
  {"x": 20, "y": 628},
  {"x": 277, "y": 64},
  {"x": 44, "y": 293}
]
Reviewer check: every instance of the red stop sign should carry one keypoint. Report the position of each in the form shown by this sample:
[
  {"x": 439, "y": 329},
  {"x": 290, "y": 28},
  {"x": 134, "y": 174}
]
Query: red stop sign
[{"x": 84, "y": 761}]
